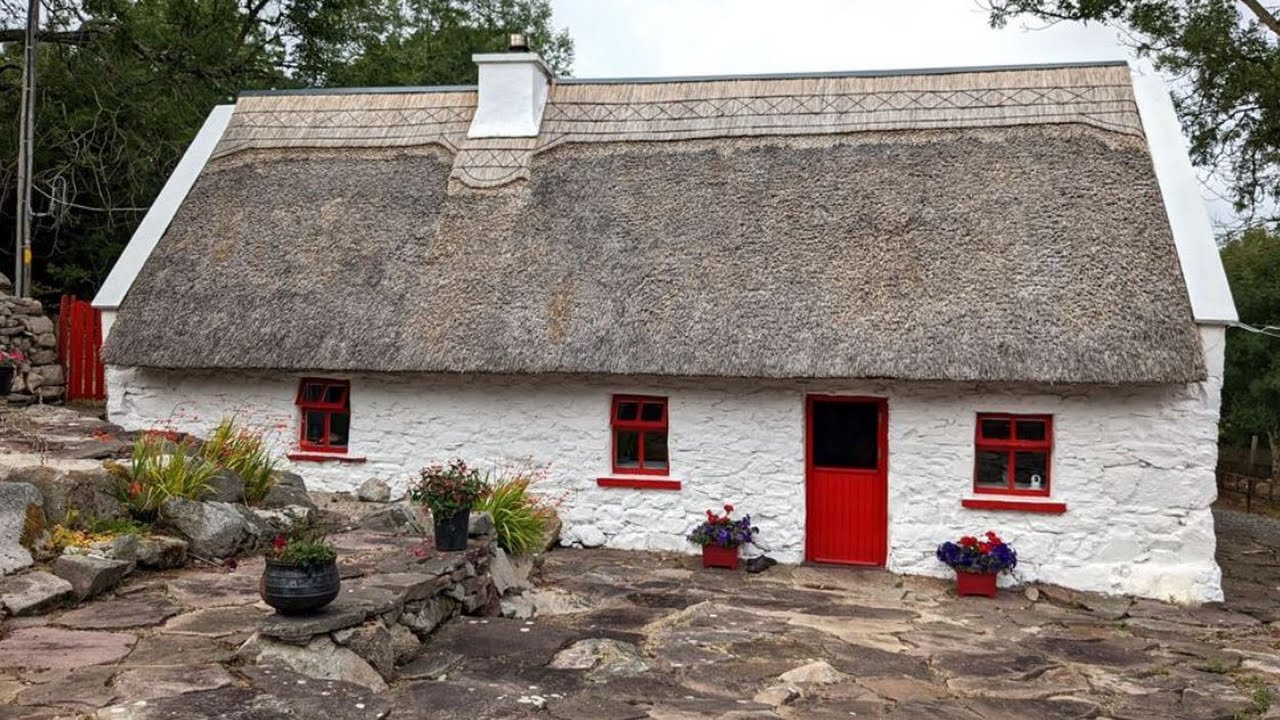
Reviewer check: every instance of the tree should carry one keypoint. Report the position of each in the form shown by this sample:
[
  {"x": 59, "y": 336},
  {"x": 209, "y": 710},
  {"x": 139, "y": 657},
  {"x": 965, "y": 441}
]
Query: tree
[
  {"x": 1225, "y": 57},
  {"x": 125, "y": 84},
  {"x": 1251, "y": 383}
]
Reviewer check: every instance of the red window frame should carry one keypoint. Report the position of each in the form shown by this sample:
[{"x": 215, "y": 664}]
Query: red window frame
[
  {"x": 643, "y": 427},
  {"x": 342, "y": 406},
  {"x": 1011, "y": 446}
]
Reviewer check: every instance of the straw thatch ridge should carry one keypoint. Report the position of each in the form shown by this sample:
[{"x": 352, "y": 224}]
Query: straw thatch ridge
[{"x": 1038, "y": 254}]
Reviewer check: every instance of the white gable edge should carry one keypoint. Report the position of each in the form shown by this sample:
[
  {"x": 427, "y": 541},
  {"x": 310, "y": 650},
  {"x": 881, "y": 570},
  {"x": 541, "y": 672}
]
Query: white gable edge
[
  {"x": 156, "y": 221},
  {"x": 1206, "y": 281}
]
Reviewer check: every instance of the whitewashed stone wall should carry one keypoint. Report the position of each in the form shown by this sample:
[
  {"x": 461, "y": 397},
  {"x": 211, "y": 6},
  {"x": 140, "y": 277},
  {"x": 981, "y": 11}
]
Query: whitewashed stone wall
[{"x": 1134, "y": 465}]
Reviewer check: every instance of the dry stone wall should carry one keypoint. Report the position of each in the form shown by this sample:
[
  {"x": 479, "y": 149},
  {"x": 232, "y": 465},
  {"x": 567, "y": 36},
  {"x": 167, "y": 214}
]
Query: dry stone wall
[{"x": 25, "y": 326}]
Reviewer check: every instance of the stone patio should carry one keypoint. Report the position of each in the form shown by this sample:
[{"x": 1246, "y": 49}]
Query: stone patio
[{"x": 619, "y": 635}]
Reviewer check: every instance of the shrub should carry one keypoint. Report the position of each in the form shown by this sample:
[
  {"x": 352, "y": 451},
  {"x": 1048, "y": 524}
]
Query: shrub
[
  {"x": 519, "y": 517},
  {"x": 244, "y": 452},
  {"x": 158, "y": 470}
]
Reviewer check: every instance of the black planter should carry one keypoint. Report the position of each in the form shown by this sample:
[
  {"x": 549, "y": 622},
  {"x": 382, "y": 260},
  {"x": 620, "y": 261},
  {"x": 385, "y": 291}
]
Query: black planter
[
  {"x": 297, "y": 589},
  {"x": 6, "y": 379},
  {"x": 451, "y": 531}
]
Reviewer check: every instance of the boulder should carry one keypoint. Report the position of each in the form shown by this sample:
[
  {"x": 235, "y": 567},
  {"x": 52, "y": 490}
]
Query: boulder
[
  {"x": 320, "y": 658},
  {"x": 426, "y": 616},
  {"x": 289, "y": 490},
  {"x": 480, "y": 524},
  {"x": 372, "y": 642},
  {"x": 33, "y": 592},
  {"x": 226, "y": 486},
  {"x": 90, "y": 575},
  {"x": 284, "y": 521},
  {"x": 603, "y": 656},
  {"x": 87, "y": 493},
  {"x": 21, "y": 522},
  {"x": 587, "y": 536},
  {"x": 374, "y": 490},
  {"x": 814, "y": 673},
  {"x": 400, "y": 518},
  {"x": 213, "y": 529},
  {"x": 503, "y": 574},
  {"x": 161, "y": 552}
]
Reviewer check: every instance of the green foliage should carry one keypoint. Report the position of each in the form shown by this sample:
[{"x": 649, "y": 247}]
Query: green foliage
[
  {"x": 302, "y": 548},
  {"x": 244, "y": 452},
  {"x": 1251, "y": 381},
  {"x": 448, "y": 490},
  {"x": 159, "y": 469},
  {"x": 123, "y": 86},
  {"x": 519, "y": 517},
  {"x": 1227, "y": 57}
]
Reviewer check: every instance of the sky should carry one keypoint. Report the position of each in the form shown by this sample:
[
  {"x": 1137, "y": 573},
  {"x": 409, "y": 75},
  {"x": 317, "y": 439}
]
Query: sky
[{"x": 645, "y": 38}]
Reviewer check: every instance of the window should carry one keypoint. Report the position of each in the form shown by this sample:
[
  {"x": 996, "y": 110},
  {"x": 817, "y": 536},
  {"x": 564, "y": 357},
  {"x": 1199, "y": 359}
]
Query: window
[
  {"x": 639, "y": 435},
  {"x": 1012, "y": 454},
  {"x": 324, "y": 410}
]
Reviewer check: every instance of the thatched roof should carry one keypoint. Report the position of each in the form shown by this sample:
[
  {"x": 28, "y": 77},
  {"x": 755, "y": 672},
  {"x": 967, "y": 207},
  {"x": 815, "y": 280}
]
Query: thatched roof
[{"x": 976, "y": 226}]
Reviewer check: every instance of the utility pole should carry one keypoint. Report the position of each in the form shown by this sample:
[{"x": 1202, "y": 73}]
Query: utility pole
[{"x": 26, "y": 142}]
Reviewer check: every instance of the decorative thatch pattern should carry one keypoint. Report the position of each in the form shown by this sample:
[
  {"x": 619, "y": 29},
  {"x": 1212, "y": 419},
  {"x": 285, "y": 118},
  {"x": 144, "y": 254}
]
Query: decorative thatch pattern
[
  {"x": 1037, "y": 253},
  {"x": 1099, "y": 96}
]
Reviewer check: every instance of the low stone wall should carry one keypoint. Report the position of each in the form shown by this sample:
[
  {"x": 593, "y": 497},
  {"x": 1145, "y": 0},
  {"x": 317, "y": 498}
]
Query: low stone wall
[
  {"x": 24, "y": 326},
  {"x": 380, "y": 619}
]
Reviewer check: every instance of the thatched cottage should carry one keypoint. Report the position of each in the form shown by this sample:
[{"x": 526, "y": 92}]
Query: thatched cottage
[{"x": 874, "y": 310}]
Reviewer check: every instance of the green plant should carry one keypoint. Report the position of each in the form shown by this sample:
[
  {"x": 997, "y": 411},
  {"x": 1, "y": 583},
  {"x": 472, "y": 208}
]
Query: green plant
[
  {"x": 448, "y": 490},
  {"x": 159, "y": 468},
  {"x": 519, "y": 517},
  {"x": 302, "y": 548},
  {"x": 244, "y": 452}
]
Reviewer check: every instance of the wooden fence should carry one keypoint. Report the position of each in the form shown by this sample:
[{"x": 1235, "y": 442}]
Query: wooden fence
[
  {"x": 1247, "y": 472},
  {"x": 80, "y": 349}
]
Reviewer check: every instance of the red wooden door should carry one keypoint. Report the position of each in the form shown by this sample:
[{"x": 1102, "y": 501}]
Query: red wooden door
[{"x": 847, "y": 489}]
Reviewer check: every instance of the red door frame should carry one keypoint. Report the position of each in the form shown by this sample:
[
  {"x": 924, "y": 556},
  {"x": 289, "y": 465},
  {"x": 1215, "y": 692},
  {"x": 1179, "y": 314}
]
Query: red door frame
[{"x": 881, "y": 474}]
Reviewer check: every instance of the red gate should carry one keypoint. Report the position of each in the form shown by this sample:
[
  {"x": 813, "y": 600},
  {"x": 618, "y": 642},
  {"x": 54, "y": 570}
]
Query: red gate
[{"x": 80, "y": 349}]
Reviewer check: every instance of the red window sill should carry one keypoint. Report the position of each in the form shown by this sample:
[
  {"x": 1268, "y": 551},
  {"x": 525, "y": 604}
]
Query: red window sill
[
  {"x": 638, "y": 483},
  {"x": 325, "y": 457},
  {"x": 1032, "y": 506}
]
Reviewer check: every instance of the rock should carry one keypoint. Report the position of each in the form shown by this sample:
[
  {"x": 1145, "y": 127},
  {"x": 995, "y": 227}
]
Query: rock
[
  {"x": 815, "y": 673},
  {"x": 479, "y": 524},
  {"x": 551, "y": 535},
  {"x": 500, "y": 570},
  {"x": 50, "y": 375},
  {"x": 373, "y": 490},
  {"x": 21, "y": 519},
  {"x": 87, "y": 493},
  {"x": 121, "y": 547},
  {"x": 216, "y": 622},
  {"x": 426, "y": 616},
  {"x": 50, "y": 392},
  {"x": 602, "y": 656},
  {"x": 289, "y": 490},
  {"x": 37, "y": 324},
  {"x": 33, "y": 592},
  {"x": 88, "y": 686},
  {"x": 400, "y": 518},
  {"x": 299, "y": 629},
  {"x": 118, "y": 613},
  {"x": 587, "y": 536},
  {"x": 320, "y": 658},
  {"x": 543, "y": 602},
  {"x": 161, "y": 552},
  {"x": 372, "y": 642},
  {"x": 284, "y": 521},
  {"x": 776, "y": 695},
  {"x": 90, "y": 576},
  {"x": 1032, "y": 593},
  {"x": 159, "y": 682},
  {"x": 213, "y": 529},
  {"x": 404, "y": 644},
  {"x": 225, "y": 486},
  {"x": 50, "y": 647}
]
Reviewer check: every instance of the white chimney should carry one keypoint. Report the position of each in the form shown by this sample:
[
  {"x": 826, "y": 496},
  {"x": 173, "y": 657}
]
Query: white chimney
[{"x": 513, "y": 92}]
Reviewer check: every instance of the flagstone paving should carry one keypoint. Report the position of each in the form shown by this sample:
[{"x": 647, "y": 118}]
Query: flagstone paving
[{"x": 644, "y": 635}]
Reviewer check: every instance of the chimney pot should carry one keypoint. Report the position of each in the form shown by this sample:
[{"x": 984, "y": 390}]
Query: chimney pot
[{"x": 518, "y": 43}]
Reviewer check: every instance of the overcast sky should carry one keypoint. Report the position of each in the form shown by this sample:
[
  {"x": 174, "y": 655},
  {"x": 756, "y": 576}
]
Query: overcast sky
[{"x": 640, "y": 38}]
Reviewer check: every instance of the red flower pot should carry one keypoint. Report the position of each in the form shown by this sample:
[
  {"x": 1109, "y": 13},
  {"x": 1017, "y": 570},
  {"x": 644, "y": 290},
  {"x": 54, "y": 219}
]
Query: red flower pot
[
  {"x": 722, "y": 557},
  {"x": 976, "y": 584}
]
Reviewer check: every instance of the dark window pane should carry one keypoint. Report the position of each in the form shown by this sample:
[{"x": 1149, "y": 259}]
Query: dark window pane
[
  {"x": 993, "y": 469},
  {"x": 312, "y": 392},
  {"x": 628, "y": 410},
  {"x": 1031, "y": 471},
  {"x": 626, "y": 448},
  {"x": 995, "y": 429},
  {"x": 651, "y": 412},
  {"x": 1031, "y": 430},
  {"x": 655, "y": 451},
  {"x": 846, "y": 435},
  {"x": 339, "y": 428},
  {"x": 314, "y": 427},
  {"x": 333, "y": 394}
]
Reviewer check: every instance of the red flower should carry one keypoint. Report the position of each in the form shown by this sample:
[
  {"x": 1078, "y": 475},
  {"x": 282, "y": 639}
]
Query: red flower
[
  {"x": 993, "y": 537},
  {"x": 135, "y": 489},
  {"x": 984, "y": 548},
  {"x": 280, "y": 543},
  {"x": 728, "y": 508},
  {"x": 968, "y": 541}
]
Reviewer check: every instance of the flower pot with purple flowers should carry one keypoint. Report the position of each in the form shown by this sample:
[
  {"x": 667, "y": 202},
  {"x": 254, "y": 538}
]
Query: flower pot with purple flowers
[
  {"x": 978, "y": 562},
  {"x": 720, "y": 537}
]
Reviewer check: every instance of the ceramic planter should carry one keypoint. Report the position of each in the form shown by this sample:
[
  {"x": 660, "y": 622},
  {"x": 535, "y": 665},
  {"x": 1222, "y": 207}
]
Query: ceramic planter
[
  {"x": 298, "y": 589},
  {"x": 721, "y": 557},
  {"x": 976, "y": 584},
  {"x": 451, "y": 531}
]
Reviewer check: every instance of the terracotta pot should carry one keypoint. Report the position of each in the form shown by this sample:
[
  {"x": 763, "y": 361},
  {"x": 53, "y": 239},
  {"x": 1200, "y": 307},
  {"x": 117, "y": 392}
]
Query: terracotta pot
[
  {"x": 976, "y": 584},
  {"x": 721, "y": 557},
  {"x": 297, "y": 589},
  {"x": 451, "y": 531}
]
